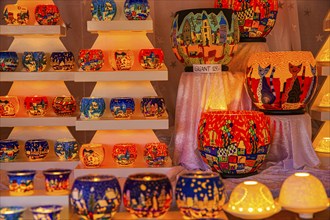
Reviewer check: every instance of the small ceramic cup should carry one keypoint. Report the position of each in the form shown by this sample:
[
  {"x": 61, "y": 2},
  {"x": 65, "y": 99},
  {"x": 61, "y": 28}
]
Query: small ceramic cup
[
  {"x": 153, "y": 106},
  {"x": 62, "y": 61},
  {"x": 8, "y": 150},
  {"x": 9, "y": 106},
  {"x": 12, "y": 212},
  {"x": 122, "y": 59},
  {"x": 66, "y": 148},
  {"x": 91, "y": 155},
  {"x": 36, "y": 105},
  {"x": 49, "y": 212},
  {"x": 151, "y": 58},
  {"x": 103, "y": 10},
  {"x": 47, "y": 14},
  {"x": 8, "y": 61},
  {"x": 124, "y": 154},
  {"x": 92, "y": 107},
  {"x": 122, "y": 107},
  {"x": 156, "y": 154},
  {"x": 64, "y": 105},
  {"x": 136, "y": 9},
  {"x": 21, "y": 182},
  {"x": 16, "y": 14},
  {"x": 36, "y": 149},
  {"x": 34, "y": 61},
  {"x": 91, "y": 60},
  {"x": 57, "y": 181}
]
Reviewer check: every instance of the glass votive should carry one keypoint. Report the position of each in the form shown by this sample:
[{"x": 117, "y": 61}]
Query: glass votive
[
  {"x": 91, "y": 60},
  {"x": 124, "y": 154},
  {"x": 46, "y": 212},
  {"x": 200, "y": 195},
  {"x": 64, "y": 105},
  {"x": 57, "y": 181},
  {"x": 36, "y": 105},
  {"x": 325, "y": 101},
  {"x": 95, "y": 196},
  {"x": 91, "y": 155},
  {"x": 103, "y": 10},
  {"x": 122, "y": 107},
  {"x": 12, "y": 212},
  {"x": 156, "y": 154},
  {"x": 147, "y": 195},
  {"x": 8, "y": 150},
  {"x": 122, "y": 59},
  {"x": 9, "y": 106},
  {"x": 151, "y": 58},
  {"x": 47, "y": 14},
  {"x": 62, "y": 61},
  {"x": 21, "y": 182},
  {"x": 152, "y": 106},
  {"x": 136, "y": 9},
  {"x": 92, "y": 107},
  {"x": 34, "y": 61},
  {"x": 66, "y": 148},
  {"x": 16, "y": 14},
  {"x": 36, "y": 149},
  {"x": 9, "y": 61}
]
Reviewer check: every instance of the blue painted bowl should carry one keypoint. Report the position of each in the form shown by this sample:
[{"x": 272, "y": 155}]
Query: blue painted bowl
[
  {"x": 92, "y": 107},
  {"x": 34, "y": 61},
  {"x": 11, "y": 212},
  {"x": 62, "y": 61},
  {"x": 57, "y": 181},
  {"x": 8, "y": 150},
  {"x": 8, "y": 61},
  {"x": 66, "y": 148},
  {"x": 49, "y": 212},
  {"x": 21, "y": 182},
  {"x": 95, "y": 196},
  {"x": 136, "y": 9},
  {"x": 122, "y": 107},
  {"x": 36, "y": 149},
  {"x": 103, "y": 10},
  {"x": 153, "y": 106}
]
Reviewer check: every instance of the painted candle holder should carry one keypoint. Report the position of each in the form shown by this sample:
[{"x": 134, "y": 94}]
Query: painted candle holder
[
  {"x": 103, "y": 10},
  {"x": 57, "y": 181},
  {"x": 122, "y": 107},
  {"x": 91, "y": 60},
  {"x": 234, "y": 143},
  {"x": 153, "y": 106},
  {"x": 64, "y": 105},
  {"x": 16, "y": 14},
  {"x": 9, "y": 106},
  {"x": 156, "y": 154},
  {"x": 12, "y": 212},
  {"x": 124, "y": 154},
  {"x": 21, "y": 182},
  {"x": 62, "y": 61},
  {"x": 200, "y": 195},
  {"x": 47, "y": 14},
  {"x": 8, "y": 150},
  {"x": 122, "y": 59},
  {"x": 151, "y": 58},
  {"x": 91, "y": 155},
  {"x": 147, "y": 195},
  {"x": 36, "y": 105},
  {"x": 96, "y": 196},
  {"x": 136, "y": 9},
  {"x": 49, "y": 212},
  {"x": 92, "y": 107},
  {"x": 34, "y": 61},
  {"x": 8, "y": 61},
  {"x": 66, "y": 148},
  {"x": 36, "y": 149}
]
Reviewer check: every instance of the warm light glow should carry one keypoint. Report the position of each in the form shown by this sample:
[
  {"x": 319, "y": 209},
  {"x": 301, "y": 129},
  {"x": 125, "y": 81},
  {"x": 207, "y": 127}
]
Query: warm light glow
[
  {"x": 260, "y": 209},
  {"x": 147, "y": 178},
  {"x": 302, "y": 174},
  {"x": 250, "y": 183},
  {"x": 240, "y": 209},
  {"x": 250, "y": 209},
  {"x": 324, "y": 145}
]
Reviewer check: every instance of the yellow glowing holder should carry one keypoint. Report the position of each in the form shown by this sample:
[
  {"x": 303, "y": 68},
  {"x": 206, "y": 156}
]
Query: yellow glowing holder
[{"x": 252, "y": 200}]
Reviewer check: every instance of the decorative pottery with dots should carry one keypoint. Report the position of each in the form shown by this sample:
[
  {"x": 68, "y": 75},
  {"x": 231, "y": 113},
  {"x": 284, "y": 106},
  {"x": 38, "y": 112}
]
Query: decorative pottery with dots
[
  {"x": 62, "y": 61},
  {"x": 36, "y": 149}
]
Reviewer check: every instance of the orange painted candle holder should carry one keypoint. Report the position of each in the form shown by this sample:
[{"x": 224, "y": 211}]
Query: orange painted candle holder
[
  {"x": 151, "y": 58},
  {"x": 124, "y": 154},
  {"x": 9, "y": 106},
  {"x": 64, "y": 105},
  {"x": 16, "y": 14},
  {"x": 92, "y": 155},
  {"x": 36, "y": 105},
  {"x": 91, "y": 60},
  {"x": 156, "y": 154}
]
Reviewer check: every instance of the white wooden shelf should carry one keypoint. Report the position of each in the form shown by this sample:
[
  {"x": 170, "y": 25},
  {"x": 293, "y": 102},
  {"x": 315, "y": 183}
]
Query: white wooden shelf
[
  {"x": 120, "y": 25},
  {"x": 320, "y": 114},
  {"x": 37, "y": 121},
  {"x": 44, "y": 30},
  {"x": 36, "y": 76},
  {"x": 323, "y": 69}
]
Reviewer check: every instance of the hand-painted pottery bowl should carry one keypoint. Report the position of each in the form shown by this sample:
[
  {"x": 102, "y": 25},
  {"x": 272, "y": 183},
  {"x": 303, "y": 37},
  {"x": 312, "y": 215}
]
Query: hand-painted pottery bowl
[
  {"x": 34, "y": 61},
  {"x": 153, "y": 106},
  {"x": 57, "y": 181},
  {"x": 8, "y": 61},
  {"x": 124, "y": 154},
  {"x": 96, "y": 196},
  {"x": 46, "y": 212},
  {"x": 64, "y": 105},
  {"x": 66, "y": 148},
  {"x": 9, "y": 106},
  {"x": 122, "y": 107},
  {"x": 103, "y": 10},
  {"x": 91, "y": 60},
  {"x": 234, "y": 143},
  {"x": 21, "y": 182},
  {"x": 8, "y": 150},
  {"x": 147, "y": 195},
  {"x": 204, "y": 36},
  {"x": 156, "y": 154},
  {"x": 36, "y": 105},
  {"x": 136, "y": 9},
  {"x": 122, "y": 59},
  {"x": 92, "y": 107},
  {"x": 16, "y": 14},
  {"x": 200, "y": 195},
  {"x": 47, "y": 14},
  {"x": 12, "y": 212},
  {"x": 62, "y": 61},
  {"x": 91, "y": 155},
  {"x": 151, "y": 58},
  {"x": 36, "y": 149}
]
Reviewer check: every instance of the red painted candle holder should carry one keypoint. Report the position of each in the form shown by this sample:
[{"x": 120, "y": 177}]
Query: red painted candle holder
[
  {"x": 36, "y": 105},
  {"x": 47, "y": 14},
  {"x": 124, "y": 154},
  {"x": 156, "y": 154},
  {"x": 91, "y": 60},
  {"x": 151, "y": 58},
  {"x": 64, "y": 105}
]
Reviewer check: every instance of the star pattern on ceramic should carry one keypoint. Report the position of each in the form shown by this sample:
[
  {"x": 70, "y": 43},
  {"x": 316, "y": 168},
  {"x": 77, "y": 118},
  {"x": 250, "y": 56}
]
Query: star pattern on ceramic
[
  {"x": 68, "y": 26},
  {"x": 307, "y": 12},
  {"x": 281, "y": 4},
  {"x": 173, "y": 64},
  {"x": 319, "y": 38}
]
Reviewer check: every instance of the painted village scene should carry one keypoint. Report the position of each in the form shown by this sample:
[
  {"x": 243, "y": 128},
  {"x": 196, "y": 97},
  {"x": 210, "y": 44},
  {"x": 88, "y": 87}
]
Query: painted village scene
[
  {"x": 64, "y": 105},
  {"x": 8, "y": 153},
  {"x": 62, "y": 61},
  {"x": 122, "y": 108},
  {"x": 36, "y": 107},
  {"x": 123, "y": 60},
  {"x": 136, "y": 10},
  {"x": 124, "y": 154},
  {"x": 153, "y": 108},
  {"x": 8, "y": 63},
  {"x": 8, "y": 108},
  {"x": 93, "y": 157},
  {"x": 34, "y": 61},
  {"x": 58, "y": 184},
  {"x": 103, "y": 10},
  {"x": 151, "y": 60},
  {"x": 21, "y": 185},
  {"x": 36, "y": 151},
  {"x": 16, "y": 14}
]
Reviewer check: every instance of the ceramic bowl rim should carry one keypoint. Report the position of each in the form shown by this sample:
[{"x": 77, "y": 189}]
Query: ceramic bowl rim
[
  {"x": 199, "y": 175},
  {"x": 140, "y": 177},
  {"x": 54, "y": 209},
  {"x": 95, "y": 178},
  {"x": 21, "y": 172},
  {"x": 56, "y": 172},
  {"x": 18, "y": 209}
]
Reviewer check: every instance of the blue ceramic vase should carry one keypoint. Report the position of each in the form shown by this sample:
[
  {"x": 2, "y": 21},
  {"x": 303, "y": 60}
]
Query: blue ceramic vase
[
  {"x": 62, "y": 61},
  {"x": 122, "y": 107},
  {"x": 46, "y": 212},
  {"x": 8, "y": 150},
  {"x": 136, "y": 9},
  {"x": 8, "y": 61},
  {"x": 57, "y": 181},
  {"x": 95, "y": 196},
  {"x": 103, "y": 10},
  {"x": 152, "y": 106},
  {"x": 92, "y": 107},
  {"x": 21, "y": 182},
  {"x": 36, "y": 149},
  {"x": 34, "y": 61},
  {"x": 11, "y": 212},
  {"x": 66, "y": 148}
]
